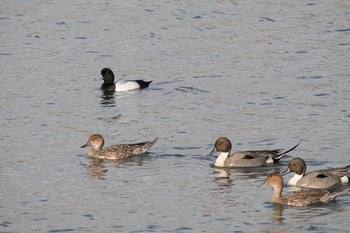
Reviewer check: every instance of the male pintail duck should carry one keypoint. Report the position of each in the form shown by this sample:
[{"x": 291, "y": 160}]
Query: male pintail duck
[
  {"x": 120, "y": 151},
  {"x": 244, "y": 158},
  {"x": 321, "y": 179},
  {"x": 302, "y": 198},
  {"x": 109, "y": 85}
]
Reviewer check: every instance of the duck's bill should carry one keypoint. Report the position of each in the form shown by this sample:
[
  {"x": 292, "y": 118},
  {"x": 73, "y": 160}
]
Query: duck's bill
[
  {"x": 263, "y": 183},
  {"x": 211, "y": 152},
  {"x": 84, "y": 145},
  {"x": 285, "y": 172},
  {"x": 99, "y": 78}
]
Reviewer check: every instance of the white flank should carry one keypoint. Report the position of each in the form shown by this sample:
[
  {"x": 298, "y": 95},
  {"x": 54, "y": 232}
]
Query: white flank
[
  {"x": 269, "y": 160},
  {"x": 344, "y": 179},
  {"x": 126, "y": 86}
]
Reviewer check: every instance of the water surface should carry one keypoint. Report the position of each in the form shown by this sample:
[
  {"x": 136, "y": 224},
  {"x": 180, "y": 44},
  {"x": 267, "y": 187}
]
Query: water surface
[{"x": 267, "y": 75}]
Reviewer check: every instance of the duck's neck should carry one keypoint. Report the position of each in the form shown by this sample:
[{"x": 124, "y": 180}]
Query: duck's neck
[
  {"x": 95, "y": 150},
  {"x": 108, "y": 79},
  {"x": 220, "y": 161},
  {"x": 98, "y": 147},
  {"x": 277, "y": 194},
  {"x": 295, "y": 179},
  {"x": 92, "y": 152}
]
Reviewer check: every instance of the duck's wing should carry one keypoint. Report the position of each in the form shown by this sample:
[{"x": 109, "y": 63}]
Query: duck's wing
[
  {"x": 319, "y": 180},
  {"x": 304, "y": 198},
  {"x": 139, "y": 148},
  {"x": 257, "y": 154},
  {"x": 245, "y": 159},
  {"x": 119, "y": 151},
  {"x": 337, "y": 171},
  {"x": 276, "y": 155}
]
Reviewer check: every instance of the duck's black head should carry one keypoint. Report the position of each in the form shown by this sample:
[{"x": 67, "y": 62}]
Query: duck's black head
[{"x": 107, "y": 76}]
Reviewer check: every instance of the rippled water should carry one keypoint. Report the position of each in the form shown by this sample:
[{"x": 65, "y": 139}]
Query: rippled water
[{"x": 265, "y": 74}]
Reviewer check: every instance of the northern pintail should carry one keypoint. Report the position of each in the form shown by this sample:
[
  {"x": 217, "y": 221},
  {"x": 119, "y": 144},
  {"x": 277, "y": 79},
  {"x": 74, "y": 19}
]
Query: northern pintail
[
  {"x": 302, "y": 198},
  {"x": 321, "y": 179},
  {"x": 109, "y": 85},
  {"x": 120, "y": 151},
  {"x": 244, "y": 158}
]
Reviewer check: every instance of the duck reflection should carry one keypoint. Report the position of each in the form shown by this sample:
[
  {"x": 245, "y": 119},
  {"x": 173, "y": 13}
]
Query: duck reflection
[
  {"x": 245, "y": 172},
  {"x": 277, "y": 213},
  {"x": 222, "y": 176},
  {"x": 97, "y": 168},
  {"x": 107, "y": 99},
  {"x": 133, "y": 161}
]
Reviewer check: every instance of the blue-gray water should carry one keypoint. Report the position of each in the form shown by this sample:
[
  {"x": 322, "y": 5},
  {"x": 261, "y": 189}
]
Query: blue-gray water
[{"x": 266, "y": 74}]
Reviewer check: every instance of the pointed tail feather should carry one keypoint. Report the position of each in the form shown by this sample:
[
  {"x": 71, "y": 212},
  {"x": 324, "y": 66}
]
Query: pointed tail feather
[
  {"x": 333, "y": 194},
  {"x": 152, "y": 142},
  {"x": 285, "y": 152},
  {"x": 148, "y": 145}
]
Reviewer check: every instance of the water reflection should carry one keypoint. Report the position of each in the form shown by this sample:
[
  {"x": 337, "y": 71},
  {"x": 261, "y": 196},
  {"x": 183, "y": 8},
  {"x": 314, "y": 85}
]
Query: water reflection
[
  {"x": 133, "y": 161},
  {"x": 245, "y": 172},
  {"x": 277, "y": 213},
  {"x": 274, "y": 230},
  {"x": 107, "y": 99},
  {"x": 97, "y": 168},
  {"x": 222, "y": 177},
  {"x": 300, "y": 213}
]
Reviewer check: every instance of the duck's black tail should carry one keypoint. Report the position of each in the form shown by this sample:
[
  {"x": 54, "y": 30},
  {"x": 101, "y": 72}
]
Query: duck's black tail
[{"x": 143, "y": 84}]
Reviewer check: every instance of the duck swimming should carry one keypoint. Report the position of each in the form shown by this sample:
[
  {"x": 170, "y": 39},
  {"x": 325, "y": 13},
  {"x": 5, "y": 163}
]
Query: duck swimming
[
  {"x": 120, "y": 151},
  {"x": 319, "y": 179},
  {"x": 109, "y": 85},
  {"x": 244, "y": 158},
  {"x": 303, "y": 198}
]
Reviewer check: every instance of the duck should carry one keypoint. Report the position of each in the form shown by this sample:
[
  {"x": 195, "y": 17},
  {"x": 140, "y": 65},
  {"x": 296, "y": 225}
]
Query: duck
[
  {"x": 316, "y": 179},
  {"x": 120, "y": 151},
  {"x": 110, "y": 86},
  {"x": 244, "y": 158},
  {"x": 302, "y": 198}
]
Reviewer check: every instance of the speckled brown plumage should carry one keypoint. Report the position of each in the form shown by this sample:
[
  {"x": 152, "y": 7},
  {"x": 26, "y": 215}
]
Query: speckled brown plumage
[{"x": 303, "y": 198}]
